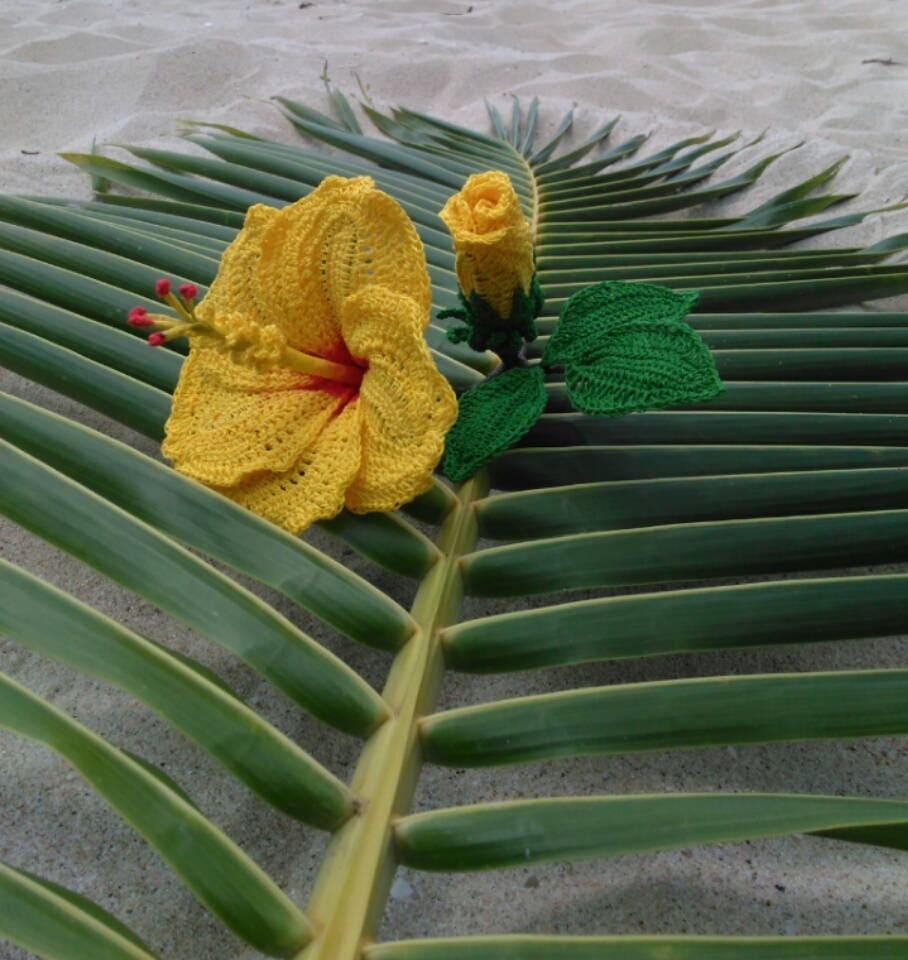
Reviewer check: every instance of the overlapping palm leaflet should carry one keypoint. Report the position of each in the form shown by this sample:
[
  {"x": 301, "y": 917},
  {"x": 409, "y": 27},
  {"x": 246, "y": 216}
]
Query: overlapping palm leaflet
[{"x": 801, "y": 465}]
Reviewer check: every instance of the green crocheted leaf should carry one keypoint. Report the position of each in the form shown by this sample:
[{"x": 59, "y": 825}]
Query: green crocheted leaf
[
  {"x": 642, "y": 365},
  {"x": 594, "y": 309},
  {"x": 493, "y": 416}
]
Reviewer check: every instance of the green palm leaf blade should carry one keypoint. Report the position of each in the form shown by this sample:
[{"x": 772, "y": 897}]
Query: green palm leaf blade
[
  {"x": 133, "y": 554},
  {"x": 516, "y": 116},
  {"x": 705, "y": 426},
  {"x": 842, "y": 363},
  {"x": 234, "y": 175},
  {"x": 452, "y": 134},
  {"x": 670, "y": 714},
  {"x": 818, "y": 321},
  {"x": 121, "y": 240},
  {"x": 137, "y": 405},
  {"x": 795, "y": 396},
  {"x": 810, "y": 337},
  {"x": 112, "y": 348},
  {"x": 48, "y": 621},
  {"x": 204, "y": 237},
  {"x": 310, "y": 168},
  {"x": 497, "y": 123},
  {"x": 206, "y": 521},
  {"x": 515, "y": 947},
  {"x": 584, "y": 508},
  {"x": 71, "y": 290},
  {"x": 567, "y": 159},
  {"x": 343, "y": 109},
  {"x": 541, "y": 467},
  {"x": 387, "y": 539},
  {"x": 688, "y": 551},
  {"x": 138, "y": 279},
  {"x": 546, "y": 151},
  {"x": 676, "y": 270},
  {"x": 56, "y": 923},
  {"x": 495, "y": 835},
  {"x": 681, "y": 621},
  {"x": 174, "y": 186},
  {"x": 220, "y": 875},
  {"x": 392, "y": 155},
  {"x": 648, "y": 207},
  {"x": 199, "y": 219},
  {"x": 588, "y": 174}
]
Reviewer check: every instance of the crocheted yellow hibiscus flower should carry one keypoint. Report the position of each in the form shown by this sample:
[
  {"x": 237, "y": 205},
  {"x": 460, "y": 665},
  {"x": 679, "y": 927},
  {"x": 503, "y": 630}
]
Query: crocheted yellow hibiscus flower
[{"x": 308, "y": 385}]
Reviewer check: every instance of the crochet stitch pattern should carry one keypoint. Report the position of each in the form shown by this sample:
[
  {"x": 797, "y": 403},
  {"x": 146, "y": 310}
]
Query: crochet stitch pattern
[
  {"x": 308, "y": 386},
  {"x": 493, "y": 416},
  {"x": 493, "y": 247},
  {"x": 626, "y": 348}
]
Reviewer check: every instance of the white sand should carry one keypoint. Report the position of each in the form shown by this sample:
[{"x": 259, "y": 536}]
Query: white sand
[{"x": 74, "y": 70}]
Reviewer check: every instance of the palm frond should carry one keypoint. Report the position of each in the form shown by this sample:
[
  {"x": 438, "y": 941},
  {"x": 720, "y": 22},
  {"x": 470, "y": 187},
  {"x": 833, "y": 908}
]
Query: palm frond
[{"x": 794, "y": 479}]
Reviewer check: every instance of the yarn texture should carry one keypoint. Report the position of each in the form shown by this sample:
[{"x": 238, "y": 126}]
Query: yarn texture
[
  {"x": 493, "y": 243},
  {"x": 339, "y": 275},
  {"x": 493, "y": 248},
  {"x": 626, "y": 348},
  {"x": 493, "y": 416}
]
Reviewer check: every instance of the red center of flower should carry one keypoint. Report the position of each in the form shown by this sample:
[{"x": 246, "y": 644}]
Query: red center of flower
[{"x": 343, "y": 391}]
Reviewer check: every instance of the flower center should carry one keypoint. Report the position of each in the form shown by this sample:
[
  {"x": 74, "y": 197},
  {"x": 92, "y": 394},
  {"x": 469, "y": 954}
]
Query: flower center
[{"x": 349, "y": 374}]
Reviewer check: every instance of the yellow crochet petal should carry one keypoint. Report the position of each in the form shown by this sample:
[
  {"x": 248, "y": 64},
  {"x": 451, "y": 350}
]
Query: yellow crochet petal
[
  {"x": 407, "y": 405},
  {"x": 231, "y": 420},
  {"x": 344, "y": 236},
  {"x": 313, "y": 489},
  {"x": 493, "y": 241},
  {"x": 234, "y": 290}
]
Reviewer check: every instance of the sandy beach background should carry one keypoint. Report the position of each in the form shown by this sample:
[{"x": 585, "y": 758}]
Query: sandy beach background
[{"x": 833, "y": 74}]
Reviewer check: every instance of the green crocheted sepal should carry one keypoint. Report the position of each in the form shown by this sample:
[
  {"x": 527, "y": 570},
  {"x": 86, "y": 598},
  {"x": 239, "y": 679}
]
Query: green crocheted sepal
[
  {"x": 493, "y": 416},
  {"x": 484, "y": 329},
  {"x": 626, "y": 348}
]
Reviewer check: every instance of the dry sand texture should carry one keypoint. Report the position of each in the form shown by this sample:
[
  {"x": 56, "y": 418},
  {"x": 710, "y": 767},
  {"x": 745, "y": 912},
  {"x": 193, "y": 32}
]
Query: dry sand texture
[{"x": 834, "y": 74}]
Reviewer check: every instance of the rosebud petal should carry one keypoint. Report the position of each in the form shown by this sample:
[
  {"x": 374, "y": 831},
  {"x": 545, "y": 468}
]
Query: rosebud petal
[{"x": 493, "y": 242}]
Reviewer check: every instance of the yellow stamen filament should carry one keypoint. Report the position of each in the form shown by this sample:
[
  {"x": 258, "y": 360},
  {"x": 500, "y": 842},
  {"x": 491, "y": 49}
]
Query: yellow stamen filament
[
  {"x": 183, "y": 307},
  {"x": 319, "y": 367}
]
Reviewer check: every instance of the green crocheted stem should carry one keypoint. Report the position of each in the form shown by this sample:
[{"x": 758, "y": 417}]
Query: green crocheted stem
[
  {"x": 485, "y": 329},
  {"x": 493, "y": 416},
  {"x": 626, "y": 348}
]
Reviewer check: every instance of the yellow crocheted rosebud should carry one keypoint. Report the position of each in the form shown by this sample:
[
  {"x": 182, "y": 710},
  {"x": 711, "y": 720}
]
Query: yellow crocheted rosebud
[
  {"x": 493, "y": 241},
  {"x": 339, "y": 276}
]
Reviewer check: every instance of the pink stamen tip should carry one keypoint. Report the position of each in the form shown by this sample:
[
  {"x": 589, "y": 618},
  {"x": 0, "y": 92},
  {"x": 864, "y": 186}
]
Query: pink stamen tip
[
  {"x": 140, "y": 321},
  {"x": 155, "y": 339},
  {"x": 189, "y": 291},
  {"x": 162, "y": 287}
]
